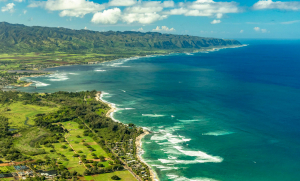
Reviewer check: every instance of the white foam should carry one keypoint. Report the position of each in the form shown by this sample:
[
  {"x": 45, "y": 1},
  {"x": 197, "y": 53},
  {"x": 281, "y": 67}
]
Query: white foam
[
  {"x": 164, "y": 168},
  {"x": 180, "y": 178},
  {"x": 171, "y": 176},
  {"x": 58, "y": 77},
  {"x": 121, "y": 109},
  {"x": 73, "y": 73},
  {"x": 202, "y": 157},
  {"x": 40, "y": 84},
  {"x": 153, "y": 115},
  {"x": 174, "y": 139},
  {"x": 100, "y": 70},
  {"x": 191, "y": 120},
  {"x": 218, "y": 133},
  {"x": 189, "y": 54},
  {"x": 123, "y": 90},
  {"x": 172, "y": 116}
]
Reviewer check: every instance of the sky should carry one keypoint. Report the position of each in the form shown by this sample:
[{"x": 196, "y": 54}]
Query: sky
[{"x": 257, "y": 19}]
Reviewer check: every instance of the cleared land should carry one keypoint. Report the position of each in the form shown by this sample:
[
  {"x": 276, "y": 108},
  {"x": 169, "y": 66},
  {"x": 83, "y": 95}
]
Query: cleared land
[
  {"x": 21, "y": 115},
  {"x": 27, "y": 142}
]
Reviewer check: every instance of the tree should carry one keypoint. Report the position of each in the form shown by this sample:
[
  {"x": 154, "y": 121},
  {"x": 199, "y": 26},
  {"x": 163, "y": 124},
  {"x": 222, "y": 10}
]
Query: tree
[
  {"x": 102, "y": 158},
  {"x": 100, "y": 165},
  {"x": 131, "y": 125},
  {"x": 115, "y": 177}
]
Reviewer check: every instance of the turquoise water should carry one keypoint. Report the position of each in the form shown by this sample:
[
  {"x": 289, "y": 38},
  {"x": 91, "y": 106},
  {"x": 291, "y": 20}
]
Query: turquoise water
[{"x": 231, "y": 114}]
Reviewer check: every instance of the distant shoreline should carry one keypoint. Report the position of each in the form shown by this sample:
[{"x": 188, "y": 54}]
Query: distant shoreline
[{"x": 209, "y": 49}]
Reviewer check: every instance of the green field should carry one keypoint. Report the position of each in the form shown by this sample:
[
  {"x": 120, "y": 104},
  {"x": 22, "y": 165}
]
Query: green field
[
  {"x": 42, "y": 60},
  {"x": 7, "y": 169},
  {"x": 71, "y": 136},
  {"x": 22, "y": 115},
  {"x": 124, "y": 175},
  {"x": 26, "y": 143},
  {"x": 7, "y": 179},
  {"x": 70, "y": 162}
]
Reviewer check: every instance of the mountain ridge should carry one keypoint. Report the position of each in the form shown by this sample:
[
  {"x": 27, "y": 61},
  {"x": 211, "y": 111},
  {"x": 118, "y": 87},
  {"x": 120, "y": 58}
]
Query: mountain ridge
[{"x": 23, "y": 39}]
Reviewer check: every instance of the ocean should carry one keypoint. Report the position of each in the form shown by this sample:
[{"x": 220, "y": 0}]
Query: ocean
[{"x": 229, "y": 115}]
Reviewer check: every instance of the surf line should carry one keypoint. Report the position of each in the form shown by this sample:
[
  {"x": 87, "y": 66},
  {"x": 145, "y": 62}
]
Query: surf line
[{"x": 138, "y": 141}]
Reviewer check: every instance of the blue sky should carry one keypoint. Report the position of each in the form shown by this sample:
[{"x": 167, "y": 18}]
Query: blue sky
[{"x": 210, "y": 18}]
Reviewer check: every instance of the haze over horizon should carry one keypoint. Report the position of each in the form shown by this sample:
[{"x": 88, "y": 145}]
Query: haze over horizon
[{"x": 208, "y": 18}]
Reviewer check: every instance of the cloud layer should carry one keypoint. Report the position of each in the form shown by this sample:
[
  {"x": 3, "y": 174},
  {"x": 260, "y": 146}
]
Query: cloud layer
[
  {"x": 8, "y": 8},
  {"x": 269, "y": 4},
  {"x": 147, "y": 12}
]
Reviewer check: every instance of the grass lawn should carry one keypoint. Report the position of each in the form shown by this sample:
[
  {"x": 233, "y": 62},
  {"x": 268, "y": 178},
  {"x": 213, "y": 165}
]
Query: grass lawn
[
  {"x": 7, "y": 169},
  {"x": 124, "y": 175},
  {"x": 19, "y": 113},
  {"x": 72, "y": 138},
  {"x": 7, "y": 179},
  {"x": 73, "y": 162}
]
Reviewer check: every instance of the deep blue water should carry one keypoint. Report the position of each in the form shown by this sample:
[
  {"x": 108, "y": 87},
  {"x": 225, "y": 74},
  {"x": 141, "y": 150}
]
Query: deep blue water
[{"x": 231, "y": 115}]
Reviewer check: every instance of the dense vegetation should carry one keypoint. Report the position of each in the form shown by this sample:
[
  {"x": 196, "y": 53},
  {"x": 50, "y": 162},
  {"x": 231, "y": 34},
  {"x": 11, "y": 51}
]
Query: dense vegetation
[
  {"x": 21, "y": 38},
  {"x": 78, "y": 118}
]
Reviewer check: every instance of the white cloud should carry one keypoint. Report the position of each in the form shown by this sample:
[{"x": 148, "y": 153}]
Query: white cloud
[
  {"x": 19, "y": 1},
  {"x": 242, "y": 31},
  {"x": 140, "y": 29},
  {"x": 145, "y": 18},
  {"x": 110, "y": 16},
  {"x": 146, "y": 12},
  {"x": 85, "y": 28},
  {"x": 256, "y": 28},
  {"x": 269, "y": 4},
  {"x": 290, "y": 22},
  {"x": 9, "y": 7},
  {"x": 168, "y": 4},
  {"x": 76, "y": 8},
  {"x": 163, "y": 28},
  {"x": 122, "y": 2},
  {"x": 25, "y": 11},
  {"x": 264, "y": 30},
  {"x": 144, "y": 9},
  {"x": 205, "y": 8},
  {"x": 215, "y": 21}
]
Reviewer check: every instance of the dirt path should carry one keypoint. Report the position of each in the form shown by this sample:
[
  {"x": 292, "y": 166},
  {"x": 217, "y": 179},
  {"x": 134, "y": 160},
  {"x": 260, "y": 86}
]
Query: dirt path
[{"x": 15, "y": 163}]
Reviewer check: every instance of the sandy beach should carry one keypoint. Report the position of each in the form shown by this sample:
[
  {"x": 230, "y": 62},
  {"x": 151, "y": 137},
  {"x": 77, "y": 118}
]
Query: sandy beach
[
  {"x": 140, "y": 151},
  {"x": 138, "y": 140}
]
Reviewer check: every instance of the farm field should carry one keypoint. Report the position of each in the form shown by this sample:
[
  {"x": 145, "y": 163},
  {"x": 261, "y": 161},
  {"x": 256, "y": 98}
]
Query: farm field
[
  {"x": 124, "y": 175},
  {"x": 21, "y": 115}
]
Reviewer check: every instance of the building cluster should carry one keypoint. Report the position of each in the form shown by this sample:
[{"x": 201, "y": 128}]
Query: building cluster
[
  {"x": 125, "y": 150},
  {"x": 22, "y": 172}
]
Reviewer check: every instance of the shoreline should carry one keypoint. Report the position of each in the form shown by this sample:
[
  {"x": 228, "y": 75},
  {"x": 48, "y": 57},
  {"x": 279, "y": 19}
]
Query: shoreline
[
  {"x": 113, "y": 109},
  {"x": 138, "y": 141},
  {"x": 137, "y": 57}
]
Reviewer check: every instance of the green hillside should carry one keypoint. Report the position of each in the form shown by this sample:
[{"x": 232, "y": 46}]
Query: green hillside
[{"x": 15, "y": 38}]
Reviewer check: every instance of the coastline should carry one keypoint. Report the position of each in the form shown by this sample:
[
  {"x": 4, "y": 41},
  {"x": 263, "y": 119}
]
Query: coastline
[
  {"x": 138, "y": 141},
  {"x": 137, "y": 57}
]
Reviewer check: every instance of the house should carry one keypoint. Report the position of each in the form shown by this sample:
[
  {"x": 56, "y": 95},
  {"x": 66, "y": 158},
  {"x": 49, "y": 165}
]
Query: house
[{"x": 48, "y": 174}]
